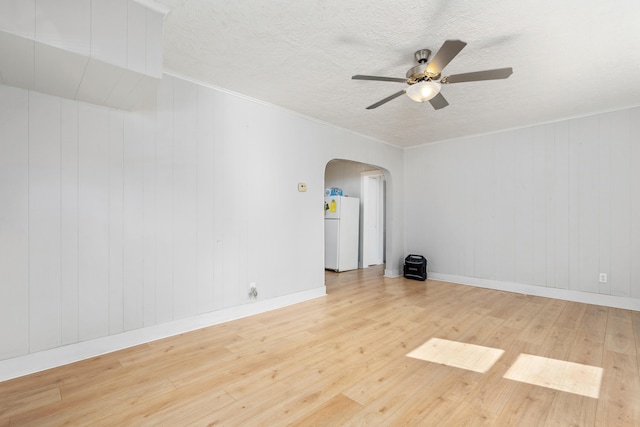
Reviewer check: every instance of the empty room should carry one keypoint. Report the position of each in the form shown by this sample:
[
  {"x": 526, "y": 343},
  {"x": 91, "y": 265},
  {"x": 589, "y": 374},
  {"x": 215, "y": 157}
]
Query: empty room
[{"x": 319, "y": 213}]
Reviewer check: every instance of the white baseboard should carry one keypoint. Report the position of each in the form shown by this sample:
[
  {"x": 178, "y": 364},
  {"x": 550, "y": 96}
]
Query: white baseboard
[
  {"x": 47, "y": 359},
  {"x": 392, "y": 273},
  {"x": 627, "y": 303}
]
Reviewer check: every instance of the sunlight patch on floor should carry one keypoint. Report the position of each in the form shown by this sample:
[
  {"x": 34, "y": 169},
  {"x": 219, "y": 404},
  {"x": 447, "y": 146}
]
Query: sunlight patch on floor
[
  {"x": 458, "y": 355},
  {"x": 557, "y": 374}
]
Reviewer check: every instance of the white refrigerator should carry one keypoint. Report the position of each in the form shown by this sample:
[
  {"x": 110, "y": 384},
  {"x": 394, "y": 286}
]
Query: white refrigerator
[{"x": 341, "y": 232}]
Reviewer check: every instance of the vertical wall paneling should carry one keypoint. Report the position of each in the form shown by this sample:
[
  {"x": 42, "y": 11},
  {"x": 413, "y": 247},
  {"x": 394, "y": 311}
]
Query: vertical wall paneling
[
  {"x": 58, "y": 72},
  {"x": 219, "y": 177},
  {"x": 606, "y": 148},
  {"x": 565, "y": 198},
  {"x": 184, "y": 199},
  {"x": 19, "y": 71},
  {"x": 634, "y": 196},
  {"x": 153, "y": 50},
  {"x": 164, "y": 202},
  {"x": 539, "y": 206},
  {"x": 563, "y": 203},
  {"x": 618, "y": 200},
  {"x": 65, "y": 24},
  {"x": 133, "y": 208},
  {"x": 439, "y": 237},
  {"x": 205, "y": 214},
  {"x": 588, "y": 205},
  {"x": 467, "y": 172},
  {"x": 573, "y": 195},
  {"x": 505, "y": 190},
  {"x": 455, "y": 183},
  {"x": 261, "y": 228},
  {"x": 14, "y": 222},
  {"x": 149, "y": 216},
  {"x": 524, "y": 205},
  {"x": 44, "y": 222},
  {"x": 69, "y": 220},
  {"x": 93, "y": 219},
  {"x": 116, "y": 222},
  {"x": 109, "y": 31},
  {"x": 256, "y": 157},
  {"x": 551, "y": 182},
  {"x": 18, "y": 17},
  {"x": 141, "y": 218},
  {"x": 136, "y": 37},
  {"x": 483, "y": 224},
  {"x": 253, "y": 138},
  {"x": 232, "y": 169},
  {"x": 443, "y": 208}
]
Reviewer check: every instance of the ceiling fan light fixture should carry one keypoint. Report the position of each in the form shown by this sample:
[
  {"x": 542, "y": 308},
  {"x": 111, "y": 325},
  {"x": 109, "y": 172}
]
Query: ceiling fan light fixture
[{"x": 423, "y": 91}]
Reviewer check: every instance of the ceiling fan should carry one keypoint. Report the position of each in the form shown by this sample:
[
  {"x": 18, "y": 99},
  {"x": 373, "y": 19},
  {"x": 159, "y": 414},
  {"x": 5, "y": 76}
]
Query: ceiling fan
[{"x": 425, "y": 80}]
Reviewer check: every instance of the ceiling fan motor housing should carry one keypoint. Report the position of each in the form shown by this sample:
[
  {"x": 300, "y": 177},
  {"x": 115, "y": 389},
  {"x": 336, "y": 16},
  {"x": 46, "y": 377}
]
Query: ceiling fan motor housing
[
  {"x": 419, "y": 72},
  {"x": 422, "y": 55}
]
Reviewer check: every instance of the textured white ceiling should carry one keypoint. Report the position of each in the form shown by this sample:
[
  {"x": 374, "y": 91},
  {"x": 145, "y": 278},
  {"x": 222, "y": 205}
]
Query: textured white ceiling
[{"x": 570, "y": 58}]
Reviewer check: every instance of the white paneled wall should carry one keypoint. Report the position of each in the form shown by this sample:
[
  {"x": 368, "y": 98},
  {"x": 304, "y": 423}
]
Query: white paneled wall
[
  {"x": 206, "y": 204},
  {"x": 106, "y": 52},
  {"x": 164, "y": 204},
  {"x": 125, "y": 33},
  {"x": 108, "y": 218},
  {"x": 69, "y": 228},
  {"x": 14, "y": 222},
  {"x": 93, "y": 221},
  {"x": 44, "y": 221},
  {"x": 184, "y": 189},
  {"x": 133, "y": 192},
  {"x": 113, "y": 221},
  {"x": 65, "y": 24},
  {"x": 116, "y": 221},
  {"x": 18, "y": 17},
  {"x": 109, "y": 33},
  {"x": 552, "y": 205}
]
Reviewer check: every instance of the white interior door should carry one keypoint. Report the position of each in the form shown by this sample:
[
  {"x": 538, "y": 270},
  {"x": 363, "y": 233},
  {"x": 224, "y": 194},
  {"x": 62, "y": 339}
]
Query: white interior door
[{"x": 373, "y": 220}]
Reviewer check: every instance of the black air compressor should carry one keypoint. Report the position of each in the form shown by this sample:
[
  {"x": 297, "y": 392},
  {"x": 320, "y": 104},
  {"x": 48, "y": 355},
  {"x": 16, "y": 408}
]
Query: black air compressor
[{"x": 415, "y": 267}]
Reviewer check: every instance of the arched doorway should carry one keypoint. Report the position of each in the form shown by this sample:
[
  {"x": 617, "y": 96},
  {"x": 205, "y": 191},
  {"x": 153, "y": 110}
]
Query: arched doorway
[{"x": 367, "y": 183}]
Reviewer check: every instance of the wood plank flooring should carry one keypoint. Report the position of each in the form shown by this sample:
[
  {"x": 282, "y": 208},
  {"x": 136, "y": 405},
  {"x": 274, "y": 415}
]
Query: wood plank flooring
[{"x": 341, "y": 360}]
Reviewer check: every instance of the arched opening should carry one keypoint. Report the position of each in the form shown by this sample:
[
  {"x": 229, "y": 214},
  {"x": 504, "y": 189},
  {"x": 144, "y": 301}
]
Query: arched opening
[{"x": 346, "y": 179}]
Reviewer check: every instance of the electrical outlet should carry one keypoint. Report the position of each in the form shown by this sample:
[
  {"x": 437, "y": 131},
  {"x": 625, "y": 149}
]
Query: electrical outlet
[
  {"x": 253, "y": 291},
  {"x": 603, "y": 278}
]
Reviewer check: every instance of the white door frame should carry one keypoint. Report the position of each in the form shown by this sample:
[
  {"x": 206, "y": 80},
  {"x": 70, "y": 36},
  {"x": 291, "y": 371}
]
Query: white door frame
[{"x": 372, "y": 219}]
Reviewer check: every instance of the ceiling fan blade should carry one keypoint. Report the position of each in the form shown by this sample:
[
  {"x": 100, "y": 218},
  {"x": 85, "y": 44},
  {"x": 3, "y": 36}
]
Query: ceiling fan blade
[
  {"x": 378, "y": 78},
  {"x": 448, "y": 51},
  {"x": 384, "y": 101},
  {"x": 438, "y": 102},
  {"x": 499, "y": 73}
]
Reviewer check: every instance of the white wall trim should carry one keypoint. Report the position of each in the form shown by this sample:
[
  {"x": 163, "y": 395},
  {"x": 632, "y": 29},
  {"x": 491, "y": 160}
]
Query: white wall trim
[
  {"x": 516, "y": 128},
  {"x": 47, "y": 359},
  {"x": 557, "y": 293},
  {"x": 286, "y": 110},
  {"x": 392, "y": 273}
]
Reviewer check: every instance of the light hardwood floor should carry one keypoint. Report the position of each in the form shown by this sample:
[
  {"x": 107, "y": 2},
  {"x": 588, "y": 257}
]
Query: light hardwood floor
[{"x": 341, "y": 360}]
